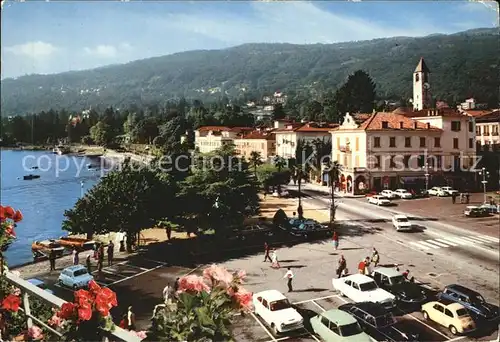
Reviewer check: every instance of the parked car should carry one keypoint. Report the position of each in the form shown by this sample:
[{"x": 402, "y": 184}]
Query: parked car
[
  {"x": 39, "y": 283},
  {"x": 361, "y": 288},
  {"x": 403, "y": 193},
  {"x": 379, "y": 200},
  {"x": 249, "y": 232},
  {"x": 75, "y": 277},
  {"x": 472, "y": 301},
  {"x": 491, "y": 208},
  {"x": 449, "y": 190},
  {"x": 308, "y": 228},
  {"x": 336, "y": 325},
  {"x": 451, "y": 315},
  {"x": 388, "y": 194},
  {"x": 419, "y": 193},
  {"x": 283, "y": 193},
  {"x": 394, "y": 282},
  {"x": 378, "y": 322},
  {"x": 401, "y": 222},
  {"x": 437, "y": 191},
  {"x": 474, "y": 211},
  {"x": 275, "y": 309}
]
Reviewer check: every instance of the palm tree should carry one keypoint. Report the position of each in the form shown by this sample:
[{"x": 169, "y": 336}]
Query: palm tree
[
  {"x": 321, "y": 148},
  {"x": 279, "y": 162},
  {"x": 255, "y": 161},
  {"x": 334, "y": 169}
]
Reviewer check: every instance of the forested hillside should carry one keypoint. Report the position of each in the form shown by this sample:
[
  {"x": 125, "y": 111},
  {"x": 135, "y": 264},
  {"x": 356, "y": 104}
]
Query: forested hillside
[{"x": 462, "y": 65}]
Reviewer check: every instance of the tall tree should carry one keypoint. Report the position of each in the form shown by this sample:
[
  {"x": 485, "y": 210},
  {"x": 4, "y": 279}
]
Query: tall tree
[
  {"x": 357, "y": 94},
  {"x": 101, "y": 133},
  {"x": 255, "y": 161},
  {"x": 278, "y": 112}
]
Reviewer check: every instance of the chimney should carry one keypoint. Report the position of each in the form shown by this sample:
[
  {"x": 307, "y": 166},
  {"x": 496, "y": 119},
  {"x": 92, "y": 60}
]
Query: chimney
[
  {"x": 415, "y": 124},
  {"x": 428, "y": 125},
  {"x": 401, "y": 124}
]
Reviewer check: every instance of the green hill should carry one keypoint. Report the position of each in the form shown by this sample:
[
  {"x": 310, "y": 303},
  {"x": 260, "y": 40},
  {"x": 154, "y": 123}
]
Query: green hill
[{"x": 462, "y": 65}]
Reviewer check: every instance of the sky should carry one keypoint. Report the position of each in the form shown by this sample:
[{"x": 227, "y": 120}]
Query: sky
[{"x": 47, "y": 37}]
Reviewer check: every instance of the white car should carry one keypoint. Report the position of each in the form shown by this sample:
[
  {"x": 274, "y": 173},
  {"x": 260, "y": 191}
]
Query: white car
[
  {"x": 388, "y": 193},
  {"x": 275, "y": 309},
  {"x": 401, "y": 222},
  {"x": 436, "y": 191},
  {"x": 379, "y": 200},
  {"x": 361, "y": 288},
  {"x": 403, "y": 193},
  {"x": 449, "y": 190},
  {"x": 283, "y": 193}
]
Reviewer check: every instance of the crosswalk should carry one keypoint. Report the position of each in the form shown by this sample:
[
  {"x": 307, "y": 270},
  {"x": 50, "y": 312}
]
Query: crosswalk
[{"x": 454, "y": 241}]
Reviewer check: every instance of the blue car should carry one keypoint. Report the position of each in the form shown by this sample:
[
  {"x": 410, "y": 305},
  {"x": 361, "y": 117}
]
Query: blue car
[
  {"x": 75, "y": 277},
  {"x": 39, "y": 283}
]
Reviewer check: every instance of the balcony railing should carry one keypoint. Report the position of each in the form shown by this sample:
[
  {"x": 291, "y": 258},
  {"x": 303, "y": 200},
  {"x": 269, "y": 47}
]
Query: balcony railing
[{"x": 29, "y": 290}]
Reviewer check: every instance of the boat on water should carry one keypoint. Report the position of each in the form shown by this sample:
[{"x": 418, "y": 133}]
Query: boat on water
[
  {"x": 30, "y": 177},
  {"x": 73, "y": 242},
  {"x": 43, "y": 248},
  {"x": 60, "y": 150},
  {"x": 34, "y": 167}
]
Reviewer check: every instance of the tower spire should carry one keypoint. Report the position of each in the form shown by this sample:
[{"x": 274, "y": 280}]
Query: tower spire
[{"x": 421, "y": 66}]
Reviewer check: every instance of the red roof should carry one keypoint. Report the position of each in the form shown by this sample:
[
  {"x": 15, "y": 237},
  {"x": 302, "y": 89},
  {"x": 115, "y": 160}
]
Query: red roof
[
  {"x": 269, "y": 135},
  {"x": 213, "y": 128},
  {"x": 394, "y": 122},
  {"x": 308, "y": 127}
]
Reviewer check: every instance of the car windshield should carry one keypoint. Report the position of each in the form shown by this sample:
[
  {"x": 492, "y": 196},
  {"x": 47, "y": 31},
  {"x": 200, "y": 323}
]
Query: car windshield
[
  {"x": 402, "y": 219},
  {"x": 350, "y": 329},
  {"x": 462, "y": 312},
  {"x": 281, "y": 304},
  {"x": 368, "y": 286},
  {"x": 397, "y": 279},
  {"x": 386, "y": 320},
  {"x": 478, "y": 299},
  {"x": 80, "y": 272}
]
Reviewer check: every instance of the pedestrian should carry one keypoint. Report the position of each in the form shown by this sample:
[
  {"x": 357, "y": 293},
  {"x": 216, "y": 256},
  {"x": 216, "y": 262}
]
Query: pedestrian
[
  {"x": 166, "y": 293},
  {"x": 266, "y": 251},
  {"x": 362, "y": 266},
  {"x": 406, "y": 273},
  {"x": 461, "y": 197},
  {"x": 375, "y": 257},
  {"x": 76, "y": 257},
  {"x": 123, "y": 322},
  {"x": 345, "y": 273},
  {"x": 467, "y": 196},
  {"x": 367, "y": 266},
  {"x": 289, "y": 277},
  {"x": 52, "y": 260},
  {"x": 335, "y": 240},
  {"x": 100, "y": 257},
  {"x": 342, "y": 266},
  {"x": 111, "y": 250},
  {"x": 130, "y": 319},
  {"x": 274, "y": 259},
  {"x": 453, "y": 197},
  {"x": 176, "y": 284},
  {"x": 89, "y": 264}
]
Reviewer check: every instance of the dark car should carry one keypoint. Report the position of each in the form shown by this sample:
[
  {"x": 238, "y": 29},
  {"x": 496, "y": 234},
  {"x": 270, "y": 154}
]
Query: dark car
[
  {"x": 419, "y": 193},
  {"x": 378, "y": 322},
  {"x": 473, "y": 301},
  {"x": 250, "y": 232},
  {"x": 393, "y": 281}
]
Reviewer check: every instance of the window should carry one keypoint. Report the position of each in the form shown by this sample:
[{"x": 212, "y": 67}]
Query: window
[
  {"x": 259, "y": 299},
  {"x": 281, "y": 304},
  {"x": 439, "y": 308},
  {"x": 422, "y": 141},
  {"x": 455, "y": 126},
  {"x": 348, "y": 282},
  {"x": 392, "y": 142},
  {"x": 471, "y": 126},
  {"x": 421, "y": 161},
  {"x": 325, "y": 321},
  {"x": 478, "y": 130},
  {"x": 471, "y": 143},
  {"x": 448, "y": 313},
  {"x": 356, "y": 286},
  {"x": 334, "y": 328},
  {"x": 392, "y": 161},
  {"x": 377, "y": 277},
  {"x": 417, "y": 78},
  {"x": 406, "y": 161},
  {"x": 462, "y": 312},
  {"x": 80, "y": 272},
  {"x": 385, "y": 281},
  {"x": 264, "y": 302},
  {"x": 437, "y": 142},
  {"x": 351, "y": 329},
  {"x": 385, "y": 124},
  {"x": 455, "y": 142},
  {"x": 369, "y": 286},
  {"x": 377, "y": 161},
  {"x": 408, "y": 142},
  {"x": 376, "y": 142}
]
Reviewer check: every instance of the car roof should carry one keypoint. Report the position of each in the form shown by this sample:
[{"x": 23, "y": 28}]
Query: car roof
[
  {"x": 271, "y": 295},
  {"x": 359, "y": 278},
  {"x": 401, "y": 190},
  {"x": 463, "y": 290},
  {"x": 400, "y": 216},
  {"x": 339, "y": 317},
  {"x": 35, "y": 281},
  {"x": 449, "y": 304},
  {"x": 374, "y": 309},
  {"x": 387, "y": 271},
  {"x": 74, "y": 268}
]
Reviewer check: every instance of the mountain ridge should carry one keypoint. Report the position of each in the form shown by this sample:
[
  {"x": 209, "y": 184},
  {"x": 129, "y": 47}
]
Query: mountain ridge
[{"x": 462, "y": 64}]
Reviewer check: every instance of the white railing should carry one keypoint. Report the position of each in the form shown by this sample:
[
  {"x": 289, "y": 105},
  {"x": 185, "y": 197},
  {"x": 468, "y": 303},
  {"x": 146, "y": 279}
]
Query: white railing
[{"x": 29, "y": 290}]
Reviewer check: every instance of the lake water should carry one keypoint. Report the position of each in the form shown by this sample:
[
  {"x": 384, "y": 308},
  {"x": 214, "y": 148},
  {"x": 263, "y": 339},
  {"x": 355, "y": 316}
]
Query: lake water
[{"x": 44, "y": 200}]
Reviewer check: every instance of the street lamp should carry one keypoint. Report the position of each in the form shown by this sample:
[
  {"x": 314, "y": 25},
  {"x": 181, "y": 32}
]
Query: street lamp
[
  {"x": 426, "y": 168},
  {"x": 485, "y": 174},
  {"x": 81, "y": 189}
]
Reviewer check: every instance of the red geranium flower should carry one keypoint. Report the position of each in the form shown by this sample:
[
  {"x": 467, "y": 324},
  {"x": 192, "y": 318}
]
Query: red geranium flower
[
  {"x": 102, "y": 306},
  {"x": 83, "y": 296},
  {"x": 2, "y": 213},
  {"x": 93, "y": 286},
  {"x": 11, "y": 302},
  {"x": 108, "y": 296},
  {"x": 18, "y": 216},
  {"x": 67, "y": 311},
  {"x": 8, "y": 212},
  {"x": 85, "y": 312}
]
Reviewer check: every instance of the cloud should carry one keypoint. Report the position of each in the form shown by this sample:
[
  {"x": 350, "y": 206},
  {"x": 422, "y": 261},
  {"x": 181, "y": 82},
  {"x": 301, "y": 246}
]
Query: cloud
[
  {"x": 33, "y": 50},
  {"x": 108, "y": 51}
]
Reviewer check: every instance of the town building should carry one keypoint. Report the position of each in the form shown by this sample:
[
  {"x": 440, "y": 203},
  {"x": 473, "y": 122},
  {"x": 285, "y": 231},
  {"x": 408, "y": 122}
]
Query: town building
[
  {"x": 421, "y": 86},
  {"x": 487, "y": 130},
  {"x": 211, "y": 138},
  {"x": 262, "y": 141}
]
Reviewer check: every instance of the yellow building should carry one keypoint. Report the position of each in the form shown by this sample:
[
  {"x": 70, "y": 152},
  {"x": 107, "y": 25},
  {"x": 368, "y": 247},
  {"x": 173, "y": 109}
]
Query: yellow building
[
  {"x": 487, "y": 129},
  {"x": 211, "y": 138},
  {"x": 261, "y": 141},
  {"x": 288, "y": 134}
]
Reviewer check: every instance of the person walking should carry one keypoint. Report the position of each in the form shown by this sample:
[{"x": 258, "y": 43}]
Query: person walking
[
  {"x": 367, "y": 266},
  {"x": 467, "y": 197},
  {"x": 453, "y": 197},
  {"x": 89, "y": 264},
  {"x": 266, "y": 251},
  {"x": 274, "y": 259},
  {"x": 342, "y": 266},
  {"x": 375, "y": 257},
  {"x": 100, "y": 257},
  {"x": 130, "y": 319},
  {"x": 166, "y": 293},
  {"x": 111, "y": 250},
  {"x": 289, "y": 277},
  {"x": 362, "y": 266},
  {"x": 335, "y": 239},
  {"x": 52, "y": 260},
  {"x": 75, "y": 256}
]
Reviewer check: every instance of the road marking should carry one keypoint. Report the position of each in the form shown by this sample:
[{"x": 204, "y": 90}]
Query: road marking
[
  {"x": 114, "y": 273},
  {"x": 428, "y": 326},
  {"x": 141, "y": 268},
  {"x": 319, "y": 306},
  {"x": 470, "y": 240},
  {"x": 320, "y": 298},
  {"x": 135, "y": 275},
  {"x": 418, "y": 245},
  {"x": 101, "y": 283},
  {"x": 263, "y": 327},
  {"x": 457, "y": 240},
  {"x": 457, "y": 339},
  {"x": 484, "y": 240},
  {"x": 447, "y": 242},
  {"x": 158, "y": 262},
  {"x": 437, "y": 243},
  {"x": 476, "y": 239},
  {"x": 429, "y": 244},
  {"x": 491, "y": 238}
]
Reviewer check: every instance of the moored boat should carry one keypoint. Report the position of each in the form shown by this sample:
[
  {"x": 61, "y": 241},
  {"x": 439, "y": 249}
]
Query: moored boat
[
  {"x": 73, "y": 242},
  {"x": 43, "y": 248},
  {"x": 30, "y": 177}
]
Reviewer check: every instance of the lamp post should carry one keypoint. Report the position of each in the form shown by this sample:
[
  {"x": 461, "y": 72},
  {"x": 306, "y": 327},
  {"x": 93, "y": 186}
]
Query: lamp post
[
  {"x": 300, "y": 211},
  {"x": 426, "y": 169},
  {"x": 485, "y": 174},
  {"x": 81, "y": 189}
]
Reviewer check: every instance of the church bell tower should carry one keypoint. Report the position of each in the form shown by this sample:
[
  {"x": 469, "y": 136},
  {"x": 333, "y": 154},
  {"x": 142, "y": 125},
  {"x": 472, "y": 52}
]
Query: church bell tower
[{"x": 421, "y": 86}]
